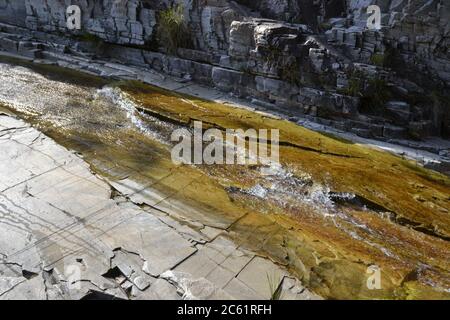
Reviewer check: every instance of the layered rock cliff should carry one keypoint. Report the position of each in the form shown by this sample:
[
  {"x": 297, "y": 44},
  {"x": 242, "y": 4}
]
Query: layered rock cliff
[{"x": 308, "y": 58}]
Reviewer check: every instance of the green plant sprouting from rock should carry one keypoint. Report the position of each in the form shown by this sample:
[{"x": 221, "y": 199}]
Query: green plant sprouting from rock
[
  {"x": 378, "y": 59},
  {"x": 374, "y": 93},
  {"x": 173, "y": 32},
  {"x": 385, "y": 59}
]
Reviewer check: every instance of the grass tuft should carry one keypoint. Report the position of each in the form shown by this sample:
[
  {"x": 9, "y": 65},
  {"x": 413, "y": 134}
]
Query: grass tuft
[{"x": 173, "y": 32}]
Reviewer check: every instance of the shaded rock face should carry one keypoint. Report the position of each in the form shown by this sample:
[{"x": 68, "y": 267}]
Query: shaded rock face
[
  {"x": 262, "y": 44},
  {"x": 13, "y": 12},
  {"x": 133, "y": 21},
  {"x": 415, "y": 37},
  {"x": 313, "y": 58},
  {"x": 122, "y": 22},
  {"x": 309, "y": 12},
  {"x": 413, "y": 26}
]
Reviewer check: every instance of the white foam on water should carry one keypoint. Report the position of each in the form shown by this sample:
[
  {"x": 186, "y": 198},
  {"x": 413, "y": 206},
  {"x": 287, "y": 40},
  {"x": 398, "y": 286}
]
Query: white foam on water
[
  {"x": 258, "y": 191},
  {"x": 286, "y": 189},
  {"x": 120, "y": 98}
]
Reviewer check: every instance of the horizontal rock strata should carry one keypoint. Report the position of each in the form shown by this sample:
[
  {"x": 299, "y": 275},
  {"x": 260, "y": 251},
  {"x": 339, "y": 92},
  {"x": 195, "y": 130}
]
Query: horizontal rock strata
[{"x": 313, "y": 59}]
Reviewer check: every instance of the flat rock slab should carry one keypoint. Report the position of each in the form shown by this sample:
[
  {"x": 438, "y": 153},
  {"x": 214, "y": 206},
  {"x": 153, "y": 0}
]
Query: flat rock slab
[{"x": 64, "y": 236}]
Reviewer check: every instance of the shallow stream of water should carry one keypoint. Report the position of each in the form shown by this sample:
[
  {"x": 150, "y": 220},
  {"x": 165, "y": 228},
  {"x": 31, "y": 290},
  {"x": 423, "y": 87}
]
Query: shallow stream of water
[{"x": 328, "y": 213}]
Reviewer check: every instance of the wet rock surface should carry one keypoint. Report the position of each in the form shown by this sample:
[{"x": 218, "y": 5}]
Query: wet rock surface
[
  {"x": 66, "y": 234},
  {"x": 139, "y": 227},
  {"x": 331, "y": 211}
]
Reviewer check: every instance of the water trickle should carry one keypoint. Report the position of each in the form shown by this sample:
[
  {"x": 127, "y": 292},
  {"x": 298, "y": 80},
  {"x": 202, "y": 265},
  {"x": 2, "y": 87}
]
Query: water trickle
[
  {"x": 338, "y": 205},
  {"x": 141, "y": 121}
]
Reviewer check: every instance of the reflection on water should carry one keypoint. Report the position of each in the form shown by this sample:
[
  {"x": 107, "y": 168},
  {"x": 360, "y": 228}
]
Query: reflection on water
[{"x": 331, "y": 210}]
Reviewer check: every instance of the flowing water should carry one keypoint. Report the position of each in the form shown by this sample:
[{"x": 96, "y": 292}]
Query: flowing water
[{"x": 331, "y": 210}]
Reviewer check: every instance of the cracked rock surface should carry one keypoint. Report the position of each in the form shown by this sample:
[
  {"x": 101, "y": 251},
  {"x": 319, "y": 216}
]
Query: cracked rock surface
[
  {"x": 332, "y": 210},
  {"x": 65, "y": 235}
]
